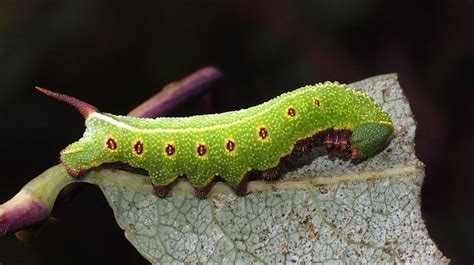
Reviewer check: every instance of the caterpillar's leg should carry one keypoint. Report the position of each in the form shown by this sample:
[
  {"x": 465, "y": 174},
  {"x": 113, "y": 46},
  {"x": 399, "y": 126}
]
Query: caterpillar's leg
[
  {"x": 163, "y": 191},
  {"x": 303, "y": 146},
  {"x": 337, "y": 142},
  {"x": 241, "y": 189},
  {"x": 202, "y": 192},
  {"x": 76, "y": 173},
  {"x": 272, "y": 173}
]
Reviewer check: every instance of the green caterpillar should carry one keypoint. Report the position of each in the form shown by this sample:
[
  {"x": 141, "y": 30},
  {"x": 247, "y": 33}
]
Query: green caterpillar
[{"x": 231, "y": 145}]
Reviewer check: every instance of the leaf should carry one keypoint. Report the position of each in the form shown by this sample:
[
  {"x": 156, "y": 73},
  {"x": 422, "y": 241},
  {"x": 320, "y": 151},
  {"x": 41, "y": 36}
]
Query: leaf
[{"x": 329, "y": 210}]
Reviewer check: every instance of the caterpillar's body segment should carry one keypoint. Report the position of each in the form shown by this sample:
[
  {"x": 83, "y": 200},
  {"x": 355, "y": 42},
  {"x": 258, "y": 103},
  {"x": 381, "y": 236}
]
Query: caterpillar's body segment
[{"x": 231, "y": 144}]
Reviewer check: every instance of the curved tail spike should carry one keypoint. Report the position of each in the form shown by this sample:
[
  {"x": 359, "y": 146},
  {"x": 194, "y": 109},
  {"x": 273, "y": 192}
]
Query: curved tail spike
[{"x": 84, "y": 108}]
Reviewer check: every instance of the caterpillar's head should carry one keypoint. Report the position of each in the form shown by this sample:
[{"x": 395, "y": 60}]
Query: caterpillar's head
[{"x": 370, "y": 138}]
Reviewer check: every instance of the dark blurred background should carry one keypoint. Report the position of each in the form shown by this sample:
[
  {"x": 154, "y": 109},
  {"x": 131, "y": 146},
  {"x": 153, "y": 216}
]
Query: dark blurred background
[{"x": 115, "y": 54}]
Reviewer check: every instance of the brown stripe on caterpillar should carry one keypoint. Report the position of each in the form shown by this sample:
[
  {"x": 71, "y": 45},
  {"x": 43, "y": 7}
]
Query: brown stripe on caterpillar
[
  {"x": 272, "y": 173},
  {"x": 337, "y": 140}
]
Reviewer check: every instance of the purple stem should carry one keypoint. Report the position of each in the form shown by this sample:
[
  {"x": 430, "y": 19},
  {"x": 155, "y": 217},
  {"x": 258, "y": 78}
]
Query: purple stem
[
  {"x": 177, "y": 92},
  {"x": 20, "y": 212}
]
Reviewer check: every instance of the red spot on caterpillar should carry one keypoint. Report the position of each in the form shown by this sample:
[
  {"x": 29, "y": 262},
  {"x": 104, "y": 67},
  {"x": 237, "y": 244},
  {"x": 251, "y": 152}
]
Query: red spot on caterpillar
[
  {"x": 170, "y": 150},
  {"x": 317, "y": 103},
  {"x": 201, "y": 150},
  {"x": 230, "y": 146},
  {"x": 263, "y": 133},
  {"x": 138, "y": 147},
  {"x": 291, "y": 112},
  {"x": 111, "y": 144}
]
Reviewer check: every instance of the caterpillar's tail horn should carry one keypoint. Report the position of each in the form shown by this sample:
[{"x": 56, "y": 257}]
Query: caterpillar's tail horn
[{"x": 84, "y": 108}]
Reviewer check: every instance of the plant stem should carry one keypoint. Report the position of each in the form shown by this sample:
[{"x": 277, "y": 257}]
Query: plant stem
[{"x": 34, "y": 202}]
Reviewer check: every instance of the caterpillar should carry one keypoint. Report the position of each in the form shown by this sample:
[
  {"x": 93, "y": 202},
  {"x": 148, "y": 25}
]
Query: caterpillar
[{"x": 233, "y": 145}]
